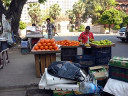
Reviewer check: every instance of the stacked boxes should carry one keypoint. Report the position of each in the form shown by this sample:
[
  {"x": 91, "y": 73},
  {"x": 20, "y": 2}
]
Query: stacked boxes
[{"x": 118, "y": 68}]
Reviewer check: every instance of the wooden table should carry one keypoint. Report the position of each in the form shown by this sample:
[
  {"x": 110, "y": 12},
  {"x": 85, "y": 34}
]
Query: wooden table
[{"x": 43, "y": 59}]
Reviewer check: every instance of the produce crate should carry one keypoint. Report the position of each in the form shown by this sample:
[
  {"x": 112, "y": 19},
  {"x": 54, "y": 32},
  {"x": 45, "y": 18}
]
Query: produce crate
[
  {"x": 86, "y": 60},
  {"x": 68, "y": 53},
  {"x": 87, "y": 51},
  {"x": 118, "y": 73},
  {"x": 103, "y": 60},
  {"x": 100, "y": 52},
  {"x": 25, "y": 50}
]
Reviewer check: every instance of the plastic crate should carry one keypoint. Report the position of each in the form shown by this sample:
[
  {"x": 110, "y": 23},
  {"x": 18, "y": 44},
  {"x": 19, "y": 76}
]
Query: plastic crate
[
  {"x": 68, "y": 58},
  {"x": 25, "y": 50},
  {"x": 68, "y": 54},
  {"x": 87, "y": 51},
  {"x": 68, "y": 51},
  {"x": 86, "y": 60},
  {"x": 104, "y": 60},
  {"x": 100, "y": 52},
  {"x": 118, "y": 73},
  {"x": 24, "y": 44}
]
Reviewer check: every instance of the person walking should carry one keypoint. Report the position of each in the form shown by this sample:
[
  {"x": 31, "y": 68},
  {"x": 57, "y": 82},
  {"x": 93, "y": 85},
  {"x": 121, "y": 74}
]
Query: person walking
[{"x": 50, "y": 28}]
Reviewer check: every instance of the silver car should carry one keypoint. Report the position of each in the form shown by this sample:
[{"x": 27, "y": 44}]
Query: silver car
[{"x": 121, "y": 34}]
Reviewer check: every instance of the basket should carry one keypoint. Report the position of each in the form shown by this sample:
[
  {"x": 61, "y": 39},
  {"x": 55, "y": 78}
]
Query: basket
[
  {"x": 118, "y": 73},
  {"x": 86, "y": 60}
]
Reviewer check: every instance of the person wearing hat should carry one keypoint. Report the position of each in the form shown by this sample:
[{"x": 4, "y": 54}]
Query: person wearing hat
[{"x": 84, "y": 36}]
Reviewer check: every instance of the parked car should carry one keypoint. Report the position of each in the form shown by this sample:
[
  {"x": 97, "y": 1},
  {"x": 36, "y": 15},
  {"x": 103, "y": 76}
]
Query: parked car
[{"x": 121, "y": 34}]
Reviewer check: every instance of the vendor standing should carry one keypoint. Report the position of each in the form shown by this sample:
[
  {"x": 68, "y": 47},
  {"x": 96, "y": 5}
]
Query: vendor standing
[
  {"x": 84, "y": 36},
  {"x": 50, "y": 28}
]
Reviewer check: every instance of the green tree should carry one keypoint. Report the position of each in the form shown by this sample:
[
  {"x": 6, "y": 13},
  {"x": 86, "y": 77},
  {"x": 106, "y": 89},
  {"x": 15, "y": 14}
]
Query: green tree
[
  {"x": 35, "y": 13},
  {"x": 78, "y": 10},
  {"x": 95, "y": 8},
  {"x": 111, "y": 16},
  {"x": 123, "y": 15},
  {"x": 13, "y": 12},
  {"x": 71, "y": 16},
  {"x": 126, "y": 20},
  {"x": 54, "y": 11}
]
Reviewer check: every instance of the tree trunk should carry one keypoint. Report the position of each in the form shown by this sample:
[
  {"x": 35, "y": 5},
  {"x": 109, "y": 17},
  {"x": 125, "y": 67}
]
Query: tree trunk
[
  {"x": 14, "y": 13},
  {"x": 109, "y": 27}
]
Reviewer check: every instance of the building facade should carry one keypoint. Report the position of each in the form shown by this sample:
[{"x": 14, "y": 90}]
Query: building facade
[
  {"x": 122, "y": 5},
  {"x": 64, "y": 5}
]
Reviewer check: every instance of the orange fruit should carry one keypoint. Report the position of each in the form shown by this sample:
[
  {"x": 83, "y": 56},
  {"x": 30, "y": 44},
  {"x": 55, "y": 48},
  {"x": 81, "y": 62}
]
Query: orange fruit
[
  {"x": 47, "y": 40},
  {"x": 49, "y": 44},
  {"x": 42, "y": 41},
  {"x": 46, "y": 47},
  {"x": 50, "y": 47},
  {"x": 39, "y": 44},
  {"x": 53, "y": 44},
  {"x": 36, "y": 47},
  {"x": 41, "y": 47},
  {"x": 52, "y": 40},
  {"x": 44, "y": 44},
  {"x": 55, "y": 47}
]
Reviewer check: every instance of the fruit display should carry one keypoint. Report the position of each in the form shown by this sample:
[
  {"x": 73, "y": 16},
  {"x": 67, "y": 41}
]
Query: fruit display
[
  {"x": 102, "y": 42},
  {"x": 68, "y": 43},
  {"x": 90, "y": 40},
  {"x": 46, "y": 44}
]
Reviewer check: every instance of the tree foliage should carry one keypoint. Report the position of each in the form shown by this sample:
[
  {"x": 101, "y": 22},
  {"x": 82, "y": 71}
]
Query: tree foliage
[
  {"x": 71, "y": 16},
  {"x": 13, "y": 12},
  {"x": 95, "y": 8},
  {"x": 35, "y": 13},
  {"x": 126, "y": 20},
  {"x": 78, "y": 10},
  {"x": 54, "y": 11},
  {"x": 111, "y": 16}
]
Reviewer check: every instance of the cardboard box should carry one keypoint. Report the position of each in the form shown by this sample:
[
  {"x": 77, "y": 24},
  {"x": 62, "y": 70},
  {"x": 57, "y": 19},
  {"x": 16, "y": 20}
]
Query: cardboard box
[{"x": 99, "y": 72}]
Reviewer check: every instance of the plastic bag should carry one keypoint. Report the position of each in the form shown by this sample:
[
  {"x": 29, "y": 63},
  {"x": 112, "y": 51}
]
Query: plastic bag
[{"x": 65, "y": 70}]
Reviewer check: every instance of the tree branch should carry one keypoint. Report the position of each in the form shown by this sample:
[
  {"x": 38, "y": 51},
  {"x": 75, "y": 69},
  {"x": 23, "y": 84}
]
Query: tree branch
[{"x": 2, "y": 8}]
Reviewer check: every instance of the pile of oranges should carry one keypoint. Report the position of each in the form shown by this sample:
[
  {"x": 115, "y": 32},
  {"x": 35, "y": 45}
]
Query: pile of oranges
[
  {"x": 46, "y": 44},
  {"x": 68, "y": 43}
]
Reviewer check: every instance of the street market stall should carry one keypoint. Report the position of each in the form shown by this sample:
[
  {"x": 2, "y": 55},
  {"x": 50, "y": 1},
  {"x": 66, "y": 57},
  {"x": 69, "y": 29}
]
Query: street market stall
[
  {"x": 97, "y": 53},
  {"x": 44, "y": 54}
]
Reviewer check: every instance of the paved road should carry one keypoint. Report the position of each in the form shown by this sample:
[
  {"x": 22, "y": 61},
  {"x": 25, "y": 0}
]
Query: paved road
[{"x": 121, "y": 48}]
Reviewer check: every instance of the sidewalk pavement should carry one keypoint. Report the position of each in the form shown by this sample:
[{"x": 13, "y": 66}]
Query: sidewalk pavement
[{"x": 20, "y": 72}]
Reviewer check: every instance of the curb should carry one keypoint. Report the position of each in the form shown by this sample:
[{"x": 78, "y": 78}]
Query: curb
[{"x": 18, "y": 87}]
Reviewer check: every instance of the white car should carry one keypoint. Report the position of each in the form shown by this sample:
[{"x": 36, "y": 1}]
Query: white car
[{"x": 121, "y": 34}]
